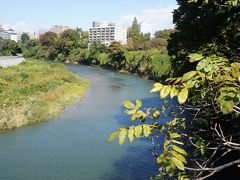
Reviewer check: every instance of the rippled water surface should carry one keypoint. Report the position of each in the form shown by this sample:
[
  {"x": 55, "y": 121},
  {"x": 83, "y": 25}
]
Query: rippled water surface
[{"x": 74, "y": 145}]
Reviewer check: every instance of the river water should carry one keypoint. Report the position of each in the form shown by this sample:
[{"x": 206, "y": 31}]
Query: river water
[{"x": 74, "y": 145}]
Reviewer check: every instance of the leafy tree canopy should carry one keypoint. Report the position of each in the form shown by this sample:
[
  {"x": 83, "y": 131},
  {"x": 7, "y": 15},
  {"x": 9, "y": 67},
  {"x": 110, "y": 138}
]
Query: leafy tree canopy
[{"x": 25, "y": 38}]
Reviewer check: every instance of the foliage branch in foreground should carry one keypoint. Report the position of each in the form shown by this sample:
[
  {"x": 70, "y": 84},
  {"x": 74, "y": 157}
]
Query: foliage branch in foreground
[{"x": 211, "y": 95}]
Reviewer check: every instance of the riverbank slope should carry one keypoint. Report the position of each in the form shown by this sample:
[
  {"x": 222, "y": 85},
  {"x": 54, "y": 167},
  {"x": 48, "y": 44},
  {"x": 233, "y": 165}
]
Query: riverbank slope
[{"x": 36, "y": 91}]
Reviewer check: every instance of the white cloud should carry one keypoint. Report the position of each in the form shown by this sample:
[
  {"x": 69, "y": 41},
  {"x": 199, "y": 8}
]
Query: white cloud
[
  {"x": 20, "y": 26},
  {"x": 159, "y": 18}
]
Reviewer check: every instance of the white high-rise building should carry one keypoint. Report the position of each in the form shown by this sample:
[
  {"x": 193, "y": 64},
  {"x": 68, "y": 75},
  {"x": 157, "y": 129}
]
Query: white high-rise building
[
  {"x": 8, "y": 34},
  {"x": 106, "y": 33},
  {"x": 145, "y": 28}
]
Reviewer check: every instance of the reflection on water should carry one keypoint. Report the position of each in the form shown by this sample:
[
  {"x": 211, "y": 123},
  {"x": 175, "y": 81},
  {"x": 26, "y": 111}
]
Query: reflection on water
[{"x": 74, "y": 145}]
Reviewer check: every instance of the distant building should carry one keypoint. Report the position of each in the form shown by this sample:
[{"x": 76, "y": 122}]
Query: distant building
[
  {"x": 32, "y": 35},
  {"x": 5, "y": 35},
  {"x": 58, "y": 29},
  {"x": 145, "y": 28},
  {"x": 107, "y": 32},
  {"x": 42, "y": 31},
  {"x": 8, "y": 34}
]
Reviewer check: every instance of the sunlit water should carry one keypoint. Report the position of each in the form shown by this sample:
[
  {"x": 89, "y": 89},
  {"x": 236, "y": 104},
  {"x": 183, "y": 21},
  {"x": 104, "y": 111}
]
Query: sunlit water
[{"x": 74, "y": 145}]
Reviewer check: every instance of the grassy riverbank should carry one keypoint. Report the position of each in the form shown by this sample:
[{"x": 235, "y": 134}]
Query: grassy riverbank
[{"x": 36, "y": 91}]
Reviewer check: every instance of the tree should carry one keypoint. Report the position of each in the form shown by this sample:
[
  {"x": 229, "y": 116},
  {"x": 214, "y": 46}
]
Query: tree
[
  {"x": 134, "y": 30},
  {"x": 116, "y": 52},
  {"x": 134, "y": 35},
  {"x": 70, "y": 35},
  {"x": 164, "y": 34},
  {"x": 25, "y": 38},
  {"x": 83, "y": 42},
  {"x": 95, "y": 49},
  {"x": 103, "y": 59},
  {"x": 48, "y": 39},
  {"x": 10, "y": 48},
  {"x": 205, "y": 24},
  {"x": 158, "y": 43}
]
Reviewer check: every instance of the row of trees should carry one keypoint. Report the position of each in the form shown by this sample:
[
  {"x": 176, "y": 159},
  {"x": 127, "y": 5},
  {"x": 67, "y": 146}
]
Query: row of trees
[
  {"x": 205, "y": 52},
  {"x": 144, "y": 55},
  {"x": 72, "y": 46}
]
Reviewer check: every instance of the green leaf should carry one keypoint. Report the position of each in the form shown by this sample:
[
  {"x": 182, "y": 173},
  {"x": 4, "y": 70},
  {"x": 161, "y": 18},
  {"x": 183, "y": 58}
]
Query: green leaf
[
  {"x": 138, "y": 103},
  {"x": 235, "y": 64},
  {"x": 131, "y": 133},
  {"x": 178, "y": 163},
  {"x": 177, "y": 142},
  {"x": 133, "y": 111},
  {"x": 146, "y": 130},
  {"x": 165, "y": 91},
  {"x": 235, "y": 72},
  {"x": 183, "y": 176},
  {"x": 173, "y": 92},
  {"x": 174, "y": 135},
  {"x": 128, "y": 104},
  {"x": 203, "y": 149},
  {"x": 138, "y": 131},
  {"x": 157, "y": 87},
  {"x": 195, "y": 57},
  {"x": 179, "y": 150},
  {"x": 160, "y": 159},
  {"x": 188, "y": 75},
  {"x": 113, "y": 135},
  {"x": 136, "y": 115},
  {"x": 202, "y": 64},
  {"x": 165, "y": 144},
  {"x": 226, "y": 106},
  {"x": 178, "y": 80},
  {"x": 122, "y": 135},
  {"x": 179, "y": 156},
  {"x": 182, "y": 96}
]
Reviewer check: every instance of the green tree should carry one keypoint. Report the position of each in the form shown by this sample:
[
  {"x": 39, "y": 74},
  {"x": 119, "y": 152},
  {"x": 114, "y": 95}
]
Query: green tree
[
  {"x": 103, "y": 59},
  {"x": 10, "y": 47},
  {"x": 164, "y": 34},
  {"x": 116, "y": 51},
  {"x": 95, "y": 49},
  {"x": 213, "y": 25},
  {"x": 134, "y": 30},
  {"x": 70, "y": 35},
  {"x": 48, "y": 39},
  {"x": 25, "y": 38},
  {"x": 134, "y": 35}
]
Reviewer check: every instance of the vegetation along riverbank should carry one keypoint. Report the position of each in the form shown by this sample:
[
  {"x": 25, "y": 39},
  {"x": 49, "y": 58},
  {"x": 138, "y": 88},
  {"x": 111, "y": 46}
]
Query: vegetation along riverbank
[
  {"x": 36, "y": 91},
  {"x": 145, "y": 56}
]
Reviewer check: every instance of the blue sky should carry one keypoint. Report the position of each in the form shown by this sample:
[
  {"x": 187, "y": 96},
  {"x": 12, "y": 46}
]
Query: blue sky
[{"x": 32, "y": 15}]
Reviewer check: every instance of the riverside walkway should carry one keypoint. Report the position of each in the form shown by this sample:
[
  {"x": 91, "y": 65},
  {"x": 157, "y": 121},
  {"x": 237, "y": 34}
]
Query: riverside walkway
[{"x": 6, "y": 61}]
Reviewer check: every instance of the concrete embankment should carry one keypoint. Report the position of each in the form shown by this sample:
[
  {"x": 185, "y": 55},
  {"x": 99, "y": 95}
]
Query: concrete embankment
[{"x": 6, "y": 61}]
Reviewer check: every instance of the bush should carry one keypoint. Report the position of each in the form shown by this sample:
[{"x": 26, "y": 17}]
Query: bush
[
  {"x": 103, "y": 59},
  {"x": 161, "y": 65}
]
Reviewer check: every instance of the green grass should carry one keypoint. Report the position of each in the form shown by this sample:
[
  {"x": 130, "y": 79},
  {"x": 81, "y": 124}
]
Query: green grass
[{"x": 36, "y": 91}]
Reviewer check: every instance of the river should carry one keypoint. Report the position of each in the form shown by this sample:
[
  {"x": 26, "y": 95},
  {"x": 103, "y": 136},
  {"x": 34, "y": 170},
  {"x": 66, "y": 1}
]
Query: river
[{"x": 74, "y": 145}]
